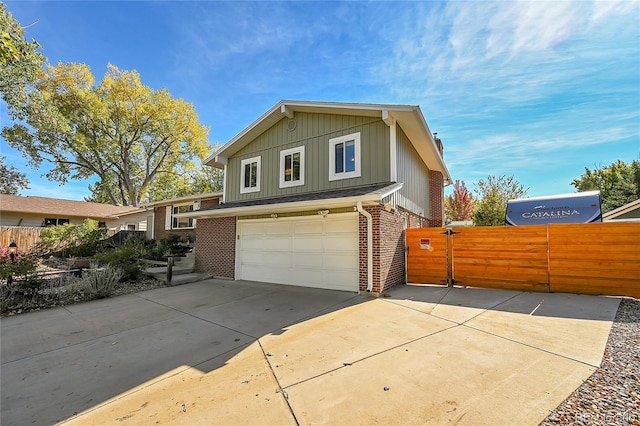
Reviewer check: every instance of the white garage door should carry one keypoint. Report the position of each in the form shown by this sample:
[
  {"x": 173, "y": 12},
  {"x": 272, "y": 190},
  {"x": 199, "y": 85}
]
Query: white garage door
[{"x": 309, "y": 251}]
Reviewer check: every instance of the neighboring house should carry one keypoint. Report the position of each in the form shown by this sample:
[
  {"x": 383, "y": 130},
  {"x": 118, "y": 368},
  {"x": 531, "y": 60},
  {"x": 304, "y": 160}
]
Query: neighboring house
[
  {"x": 165, "y": 222},
  {"x": 627, "y": 213},
  {"x": 319, "y": 194},
  {"x": 42, "y": 211}
]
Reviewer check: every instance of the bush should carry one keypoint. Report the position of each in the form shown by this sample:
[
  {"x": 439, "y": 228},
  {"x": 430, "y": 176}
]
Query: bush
[
  {"x": 100, "y": 284},
  {"x": 74, "y": 240},
  {"x": 125, "y": 258}
]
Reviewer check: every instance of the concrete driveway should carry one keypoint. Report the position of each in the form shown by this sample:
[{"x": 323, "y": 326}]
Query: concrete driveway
[{"x": 221, "y": 352}]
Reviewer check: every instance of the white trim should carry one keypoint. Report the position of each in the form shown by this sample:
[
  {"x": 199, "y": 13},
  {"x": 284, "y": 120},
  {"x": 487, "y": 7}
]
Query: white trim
[
  {"x": 355, "y": 137},
  {"x": 243, "y": 163},
  {"x": 224, "y": 183},
  {"x": 393, "y": 152},
  {"x": 168, "y": 217},
  {"x": 283, "y": 154}
]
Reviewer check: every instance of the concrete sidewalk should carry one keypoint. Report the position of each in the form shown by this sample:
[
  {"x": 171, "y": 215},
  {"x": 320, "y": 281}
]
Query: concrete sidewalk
[{"x": 251, "y": 353}]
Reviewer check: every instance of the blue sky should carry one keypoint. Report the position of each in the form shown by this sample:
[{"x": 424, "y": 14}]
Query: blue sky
[{"x": 537, "y": 90}]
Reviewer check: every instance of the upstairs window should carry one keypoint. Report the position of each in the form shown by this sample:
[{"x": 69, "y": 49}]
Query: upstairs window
[
  {"x": 292, "y": 167},
  {"x": 344, "y": 157},
  {"x": 250, "y": 175}
]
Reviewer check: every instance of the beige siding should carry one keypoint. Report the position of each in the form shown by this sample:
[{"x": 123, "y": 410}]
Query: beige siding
[
  {"x": 414, "y": 174},
  {"x": 312, "y": 131},
  {"x": 31, "y": 220}
]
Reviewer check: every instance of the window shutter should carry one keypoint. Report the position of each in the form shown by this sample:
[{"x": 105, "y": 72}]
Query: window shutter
[
  {"x": 167, "y": 217},
  {"x": 196, "y": 205}
]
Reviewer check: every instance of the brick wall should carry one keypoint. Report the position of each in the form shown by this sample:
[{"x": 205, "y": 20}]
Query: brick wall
[
  {"x": 215, "y": 250},
  {"x": 436, "y": 191},
  {"x": 388, "y": 249}
]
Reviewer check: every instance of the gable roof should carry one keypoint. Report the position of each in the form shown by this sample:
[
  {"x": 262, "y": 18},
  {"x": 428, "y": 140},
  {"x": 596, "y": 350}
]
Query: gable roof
[
  {"x": 59, "y": 207},
  {"x": 627, "y": 208},
  {"x": 409, "y": 117}
]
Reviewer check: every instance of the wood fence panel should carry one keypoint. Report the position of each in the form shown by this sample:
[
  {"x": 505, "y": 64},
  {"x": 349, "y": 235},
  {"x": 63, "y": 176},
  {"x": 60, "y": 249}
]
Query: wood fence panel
[
  {"x": 501, "y": 257},
  {"x": 24, "y": 237},
  {"x": 426, "y": 266},
  {"x": 596, "y": 258}
]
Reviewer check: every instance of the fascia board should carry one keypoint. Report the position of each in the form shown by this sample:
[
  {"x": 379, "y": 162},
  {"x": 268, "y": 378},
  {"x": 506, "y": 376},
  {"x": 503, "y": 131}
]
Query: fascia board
[
  {"x": 186, "y": 198},
  {"x": 282, "y": 207}
]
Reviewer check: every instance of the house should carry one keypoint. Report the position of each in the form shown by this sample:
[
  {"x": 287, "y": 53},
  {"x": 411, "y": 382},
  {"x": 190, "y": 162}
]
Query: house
[
  {"x": 318, "y": 194},
  {"x": 165, "y": 223},
  {"x": 31, "y": 211},
  {"x": 628, "y": 213}
]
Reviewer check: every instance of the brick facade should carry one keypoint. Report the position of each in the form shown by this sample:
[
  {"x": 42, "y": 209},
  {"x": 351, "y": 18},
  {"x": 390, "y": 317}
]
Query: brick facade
[
  {"x": 388, "y": 249},
  {"x": 436, "y": 191},
  {"x": 215, "y": 250},
  {"x": 159, "y": 216}
]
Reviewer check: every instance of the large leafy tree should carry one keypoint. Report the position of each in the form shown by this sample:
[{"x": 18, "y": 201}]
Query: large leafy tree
[
  {"x": 618, "y": 183},
  {"x": 20, "y": 66},
  {"x": 11, "y": 179},
  {"x": 459, "y": 205},
  {"x": 125, "y": 133},
  {"x": 493, "y": 195}
]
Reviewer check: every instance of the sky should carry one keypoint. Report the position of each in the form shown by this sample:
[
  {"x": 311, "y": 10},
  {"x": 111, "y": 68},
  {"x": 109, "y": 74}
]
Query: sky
[{"x": 535, "y": 90}]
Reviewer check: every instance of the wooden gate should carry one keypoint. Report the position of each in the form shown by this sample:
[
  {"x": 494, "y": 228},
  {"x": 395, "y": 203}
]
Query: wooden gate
[
  {"x": 597, "y": 258},
  {"x": 427, "y": 255}
]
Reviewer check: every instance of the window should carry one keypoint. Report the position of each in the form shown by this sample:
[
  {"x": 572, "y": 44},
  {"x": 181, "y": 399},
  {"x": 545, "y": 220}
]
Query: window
[
  {"x": 131, "y": 227},
  {"x": 292, "y": 167},
  {"x": 344, "y": 157},
  {"x": 182, "y": 222},
  {"x": 250, "y": 175},
  {"x": 172, "y": 222},
  {"x": 54, "y": 222}
]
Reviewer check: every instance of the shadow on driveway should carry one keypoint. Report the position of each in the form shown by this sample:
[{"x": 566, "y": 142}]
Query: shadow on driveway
[{"x": 62, "y": 361}]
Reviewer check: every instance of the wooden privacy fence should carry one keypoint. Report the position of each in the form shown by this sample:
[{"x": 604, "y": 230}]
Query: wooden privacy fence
[
  {"x": 596, "y": 258},
  {"x": 27, "y": 237},
  {"x": 24, "y": 237}
]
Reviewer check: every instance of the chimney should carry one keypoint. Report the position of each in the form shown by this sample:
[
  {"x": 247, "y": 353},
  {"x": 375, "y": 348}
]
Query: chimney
[{"x": 439, "y": 144}]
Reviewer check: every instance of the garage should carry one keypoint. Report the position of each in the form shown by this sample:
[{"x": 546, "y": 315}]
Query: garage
[{"x": 310, "y": 251}]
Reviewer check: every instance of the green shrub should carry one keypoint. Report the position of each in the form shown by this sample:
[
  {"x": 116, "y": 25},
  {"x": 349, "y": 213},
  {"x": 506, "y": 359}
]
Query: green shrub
[
  {"x": 73, "y": 240},
  {"x": 125, "y": 258},
  {"x": 100, "y": 284}
]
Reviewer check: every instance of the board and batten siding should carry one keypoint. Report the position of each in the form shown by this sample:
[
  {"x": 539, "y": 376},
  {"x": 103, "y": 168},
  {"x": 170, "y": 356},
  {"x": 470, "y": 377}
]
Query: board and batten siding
[
  {"x": 312, "y": 131},
  {"x": 414, "y": 174}
]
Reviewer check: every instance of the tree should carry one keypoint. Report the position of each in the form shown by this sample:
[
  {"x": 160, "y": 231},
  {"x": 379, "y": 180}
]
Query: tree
[
  {"x": 11, "y": 180},
  {"x": 20, "y": 66},
  {"x": 123, "y": 132},
  {"x": 493, "y": 195},
  {"x": 618, "y": 183},
  {"x": 459, "y": 205}
]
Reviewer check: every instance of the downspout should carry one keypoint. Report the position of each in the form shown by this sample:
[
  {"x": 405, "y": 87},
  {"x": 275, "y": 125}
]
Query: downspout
[{"x": 369, "y": 245}]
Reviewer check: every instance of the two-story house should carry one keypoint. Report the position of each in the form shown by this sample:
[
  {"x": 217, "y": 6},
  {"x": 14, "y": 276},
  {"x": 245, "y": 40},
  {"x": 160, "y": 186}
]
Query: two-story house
[{"x": 318, "y": 194}]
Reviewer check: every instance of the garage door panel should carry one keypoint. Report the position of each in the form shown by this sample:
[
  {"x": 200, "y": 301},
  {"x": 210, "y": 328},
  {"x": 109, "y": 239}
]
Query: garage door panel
[
  {"x": 340, "y": 226},
  {"x": 315, "y": 227},
  {"x": 337, "y": 279},
  {"x": 310, "y": 243},
  {"x": 341, "y": 243},
  {"x": 277, "y": 243},
  {"x": 307, "y": 260},
  {"x": 340, "y": 261},
  {"x": 252, "y": 229},
  {"x": 253, "y": 244},
  {"x": 277, "y": 228}
]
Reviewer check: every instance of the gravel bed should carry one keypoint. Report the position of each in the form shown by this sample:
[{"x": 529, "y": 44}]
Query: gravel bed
[{"x": 611, "y": 396}]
